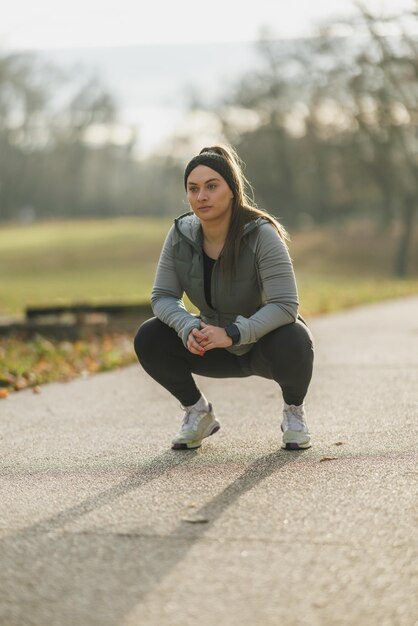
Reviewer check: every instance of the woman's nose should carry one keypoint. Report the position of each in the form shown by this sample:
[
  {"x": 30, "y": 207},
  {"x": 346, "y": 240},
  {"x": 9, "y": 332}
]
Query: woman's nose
[{"x": 201, "y": 194}]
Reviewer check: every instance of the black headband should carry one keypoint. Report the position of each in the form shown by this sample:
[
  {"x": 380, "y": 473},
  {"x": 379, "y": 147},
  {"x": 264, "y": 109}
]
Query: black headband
[{"x": 216, "y": 162}]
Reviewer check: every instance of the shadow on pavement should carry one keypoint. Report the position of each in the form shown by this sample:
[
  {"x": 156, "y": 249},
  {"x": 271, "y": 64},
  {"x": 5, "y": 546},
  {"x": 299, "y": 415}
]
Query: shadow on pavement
[{"x": 50, "y": 575}]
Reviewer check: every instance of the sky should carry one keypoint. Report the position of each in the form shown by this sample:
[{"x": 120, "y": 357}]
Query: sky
[
  {"x": 149, "y": 88},
  {"x": 48, "y": 24}
]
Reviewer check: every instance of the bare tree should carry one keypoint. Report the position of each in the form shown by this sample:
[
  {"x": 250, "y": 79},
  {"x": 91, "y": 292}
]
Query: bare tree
[
  {"x": 386, "y": 97},
  {"x": 356, "y": 148}
]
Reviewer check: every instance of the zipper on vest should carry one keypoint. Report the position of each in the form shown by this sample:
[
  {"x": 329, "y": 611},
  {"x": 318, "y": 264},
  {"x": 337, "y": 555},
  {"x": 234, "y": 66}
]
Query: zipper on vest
[{"x": 213, "y": 288}]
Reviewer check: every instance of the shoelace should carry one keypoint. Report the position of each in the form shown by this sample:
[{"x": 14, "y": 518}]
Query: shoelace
[
  {"x": 295, "y": 417},
  {"x": 191, "y": 419}
]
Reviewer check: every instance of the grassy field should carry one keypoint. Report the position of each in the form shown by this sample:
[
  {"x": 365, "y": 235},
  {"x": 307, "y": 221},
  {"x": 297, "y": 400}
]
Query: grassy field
[
  {"x": 114, "y": 260},
  {"x": 66, "y": 262}
]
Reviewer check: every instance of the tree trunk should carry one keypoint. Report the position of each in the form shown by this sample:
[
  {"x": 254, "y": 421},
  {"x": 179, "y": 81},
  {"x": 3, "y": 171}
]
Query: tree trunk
[{"x": 404, "y": 245}]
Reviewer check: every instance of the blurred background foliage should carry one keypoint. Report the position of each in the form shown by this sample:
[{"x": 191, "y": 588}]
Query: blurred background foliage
[{"x": 327, "y": 128}]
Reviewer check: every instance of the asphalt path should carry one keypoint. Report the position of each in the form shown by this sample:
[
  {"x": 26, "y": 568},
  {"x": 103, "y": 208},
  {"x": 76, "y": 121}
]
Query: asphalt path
[{"x": 101, "y": 524}]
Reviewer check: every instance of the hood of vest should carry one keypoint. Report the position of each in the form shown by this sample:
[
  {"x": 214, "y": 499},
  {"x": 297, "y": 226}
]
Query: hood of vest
[{"x": 188, "y": 226}]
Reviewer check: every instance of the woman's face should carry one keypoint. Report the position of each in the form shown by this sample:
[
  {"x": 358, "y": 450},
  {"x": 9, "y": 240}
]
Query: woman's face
[{"x": 209, "y": 195}]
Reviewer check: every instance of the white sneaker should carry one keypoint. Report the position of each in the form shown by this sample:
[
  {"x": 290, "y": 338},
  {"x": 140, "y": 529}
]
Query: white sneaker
[
  {"x": 196, "y": 426},
  {"x": 295, "y": 430}
]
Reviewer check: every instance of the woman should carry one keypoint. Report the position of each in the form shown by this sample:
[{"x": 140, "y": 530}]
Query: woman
[{"x": 231, "y": 260}]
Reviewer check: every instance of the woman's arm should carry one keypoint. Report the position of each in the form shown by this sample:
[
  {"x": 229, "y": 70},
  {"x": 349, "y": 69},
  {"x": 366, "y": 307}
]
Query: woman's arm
[
  {"x": 167, "y": 294},
  {"x": 277, "y": 280}
]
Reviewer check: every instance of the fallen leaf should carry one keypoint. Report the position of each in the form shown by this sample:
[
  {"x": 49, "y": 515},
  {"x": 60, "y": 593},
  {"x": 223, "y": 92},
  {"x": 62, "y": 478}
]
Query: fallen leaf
[
  {"x": 4, "y": 393},
  {"x": 328, "y": 458},
  {"x": 20, "y": 383},
  {"x": 195, "y": 520},
  {"x": 36, "y": 389},
  {"x": 339, "y": 443}
]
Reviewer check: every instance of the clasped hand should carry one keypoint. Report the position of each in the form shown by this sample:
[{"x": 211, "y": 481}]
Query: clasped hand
[{"x": 206, "y": 338}]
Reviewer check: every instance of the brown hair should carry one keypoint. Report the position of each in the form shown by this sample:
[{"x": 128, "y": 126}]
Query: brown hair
[{"x": 244, "y": 210}]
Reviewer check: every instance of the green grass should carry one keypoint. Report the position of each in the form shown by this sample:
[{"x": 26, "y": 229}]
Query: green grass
[
  {"x": 65, "y": 262},
  {"x": 338, "y": 268},
  {"x": 114, "y": 260},
  {"x": 327, "y": 294}
]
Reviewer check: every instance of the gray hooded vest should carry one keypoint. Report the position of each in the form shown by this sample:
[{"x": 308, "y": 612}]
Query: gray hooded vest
[{"x": 261, "y": 297}]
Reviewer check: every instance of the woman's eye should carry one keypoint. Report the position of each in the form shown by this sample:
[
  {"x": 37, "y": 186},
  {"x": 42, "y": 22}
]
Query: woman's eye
[{"x": 212, "y": 186}]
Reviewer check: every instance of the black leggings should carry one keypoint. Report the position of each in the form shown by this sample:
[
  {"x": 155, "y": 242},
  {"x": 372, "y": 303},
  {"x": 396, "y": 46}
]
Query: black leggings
[{"x": 284, "y": 355}]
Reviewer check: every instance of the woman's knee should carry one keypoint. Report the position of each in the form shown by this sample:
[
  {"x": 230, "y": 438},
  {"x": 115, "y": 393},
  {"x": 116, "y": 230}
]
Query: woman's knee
[
  {"x": 145, "y": 338},
  {"x": 302, "y": 335},
  {"x": 299, "y": 339},
  {"x": 293, "y": 340}
]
